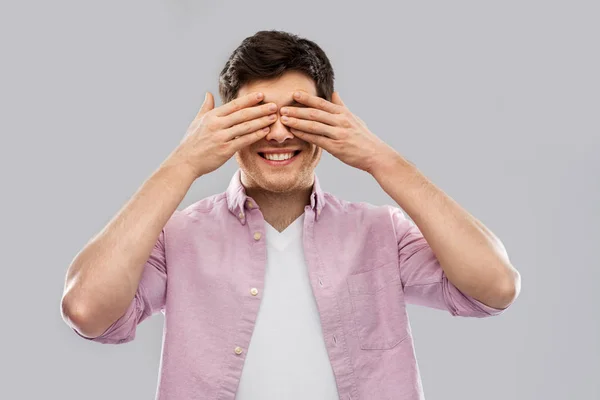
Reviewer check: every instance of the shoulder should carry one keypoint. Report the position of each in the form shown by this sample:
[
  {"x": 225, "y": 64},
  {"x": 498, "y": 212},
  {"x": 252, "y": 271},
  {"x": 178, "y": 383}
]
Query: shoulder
[
  {"x": 209, "y": 207},
  {"x": 360, "y": 209}
]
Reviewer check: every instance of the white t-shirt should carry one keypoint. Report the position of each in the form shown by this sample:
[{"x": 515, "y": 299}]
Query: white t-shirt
[{"x": 287, "y": 358}]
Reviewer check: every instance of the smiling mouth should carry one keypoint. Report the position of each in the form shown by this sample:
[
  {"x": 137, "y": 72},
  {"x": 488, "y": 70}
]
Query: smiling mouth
[{"x": 295, "y": 153}]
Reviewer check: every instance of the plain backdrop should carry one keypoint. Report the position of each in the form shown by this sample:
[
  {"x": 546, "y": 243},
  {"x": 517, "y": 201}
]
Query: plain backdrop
[{"x": 496, "y": 102}]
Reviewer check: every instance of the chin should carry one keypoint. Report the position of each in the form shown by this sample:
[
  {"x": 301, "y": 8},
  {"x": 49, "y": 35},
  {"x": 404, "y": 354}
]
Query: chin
[
  {"x": 279, "y": 182},
  {"x": 278, "y": 177}
]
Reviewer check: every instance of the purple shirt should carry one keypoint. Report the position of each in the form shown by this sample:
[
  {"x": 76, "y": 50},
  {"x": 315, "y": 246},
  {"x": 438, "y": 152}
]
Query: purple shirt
[{"x": 365, "y": 263}]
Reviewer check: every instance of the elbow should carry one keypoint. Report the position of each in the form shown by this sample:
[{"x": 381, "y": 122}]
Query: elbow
[
  {"x": 76, "y": 315},
  {"x": 513, "y": 285},
  {"x": 507, "y": 291}
]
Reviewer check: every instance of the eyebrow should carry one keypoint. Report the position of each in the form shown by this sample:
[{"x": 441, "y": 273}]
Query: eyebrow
[{"x": 292, "y": 103}]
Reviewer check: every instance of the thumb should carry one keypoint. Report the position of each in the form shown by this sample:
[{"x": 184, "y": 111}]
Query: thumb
[
  {"x": 207, "y": 105},
  {"x": 336, "y": 99}
]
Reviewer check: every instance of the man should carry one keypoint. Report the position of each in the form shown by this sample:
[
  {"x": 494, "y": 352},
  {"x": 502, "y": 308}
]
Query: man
[{"x": 276, "y": 289}]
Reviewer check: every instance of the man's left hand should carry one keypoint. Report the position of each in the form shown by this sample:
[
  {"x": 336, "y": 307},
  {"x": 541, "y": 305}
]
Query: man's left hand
[{"x": 331, "y": 126}]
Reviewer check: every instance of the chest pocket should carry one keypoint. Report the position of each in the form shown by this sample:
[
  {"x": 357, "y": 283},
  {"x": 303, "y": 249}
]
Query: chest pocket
[{"x": 378, "y": 306}]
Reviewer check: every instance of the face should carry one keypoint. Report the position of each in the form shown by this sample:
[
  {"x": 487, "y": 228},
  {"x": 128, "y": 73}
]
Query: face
[{"x": 279, "y": 176}]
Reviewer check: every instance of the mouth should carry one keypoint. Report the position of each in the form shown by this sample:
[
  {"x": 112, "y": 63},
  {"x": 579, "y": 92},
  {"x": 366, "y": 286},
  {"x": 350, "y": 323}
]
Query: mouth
[{"x": 279, "y": 159}]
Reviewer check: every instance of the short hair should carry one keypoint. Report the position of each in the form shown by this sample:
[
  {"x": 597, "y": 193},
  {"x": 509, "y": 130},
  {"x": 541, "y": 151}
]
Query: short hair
[{"x": 269, "y": 54}]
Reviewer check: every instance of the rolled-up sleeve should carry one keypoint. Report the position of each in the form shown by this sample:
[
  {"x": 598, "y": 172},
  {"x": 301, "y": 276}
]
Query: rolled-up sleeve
[
  {"x": 149, "y": 299},
  {"x": 423, "y": 278}
]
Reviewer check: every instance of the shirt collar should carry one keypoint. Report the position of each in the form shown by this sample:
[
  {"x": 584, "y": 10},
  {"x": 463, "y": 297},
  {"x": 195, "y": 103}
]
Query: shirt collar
[{"x": 238, "y": 201}]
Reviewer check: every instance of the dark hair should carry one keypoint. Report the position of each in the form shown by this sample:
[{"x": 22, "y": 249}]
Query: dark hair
[{"x": 269, "y": 54}]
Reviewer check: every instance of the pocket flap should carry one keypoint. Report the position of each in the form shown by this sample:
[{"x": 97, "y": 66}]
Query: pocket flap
[{"x": 374, "y": 280}]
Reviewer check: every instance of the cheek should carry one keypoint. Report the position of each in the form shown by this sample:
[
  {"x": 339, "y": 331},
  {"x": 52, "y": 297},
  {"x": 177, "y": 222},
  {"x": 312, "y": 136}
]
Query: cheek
[
  {"x": 243, "y": 153},
  {"x": 314, "y": 153},
  {"x": 241, "y": 156}
]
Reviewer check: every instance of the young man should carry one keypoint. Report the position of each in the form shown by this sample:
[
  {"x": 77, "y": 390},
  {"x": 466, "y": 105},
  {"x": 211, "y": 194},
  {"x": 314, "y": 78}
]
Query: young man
[{"x": 276, "y": 289}]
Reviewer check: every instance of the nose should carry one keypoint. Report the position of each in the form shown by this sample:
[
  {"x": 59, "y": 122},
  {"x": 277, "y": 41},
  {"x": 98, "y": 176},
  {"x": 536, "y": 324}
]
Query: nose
[{"x": 279, "y": 132}]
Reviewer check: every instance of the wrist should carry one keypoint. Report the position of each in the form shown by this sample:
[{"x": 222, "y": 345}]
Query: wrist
[
  {"x": 386, "y": 162},
  {"x": 178, "y": 168}
]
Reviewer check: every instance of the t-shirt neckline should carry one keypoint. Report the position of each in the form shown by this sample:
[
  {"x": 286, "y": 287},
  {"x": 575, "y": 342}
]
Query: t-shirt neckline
[{"x": 282, "y": 239}]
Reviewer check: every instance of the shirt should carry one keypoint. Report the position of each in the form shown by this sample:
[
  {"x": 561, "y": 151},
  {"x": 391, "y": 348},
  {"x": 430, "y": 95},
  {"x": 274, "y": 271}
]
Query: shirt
[
  {"x": 206, "y": 273},
  {"x": 287, "y": 356}
]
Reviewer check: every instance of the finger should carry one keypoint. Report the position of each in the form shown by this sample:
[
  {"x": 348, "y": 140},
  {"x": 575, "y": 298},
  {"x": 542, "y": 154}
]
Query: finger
[
  {"x": 321, "y": 141},
  {"x": 310, "y": 126},
  {"x": 317, "y": 102},
  {"x": 207, "y": 105},
  {"x": 246, "y": 140},
  {"x": 239, "y": 103},
  {"x": 247, "y": 114},
  {"x": 310, "y": 114},
  {"x": 250, "y": 126}
]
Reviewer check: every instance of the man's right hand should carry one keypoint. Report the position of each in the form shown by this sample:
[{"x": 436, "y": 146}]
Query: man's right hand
[{"x": 216, "y": 134}]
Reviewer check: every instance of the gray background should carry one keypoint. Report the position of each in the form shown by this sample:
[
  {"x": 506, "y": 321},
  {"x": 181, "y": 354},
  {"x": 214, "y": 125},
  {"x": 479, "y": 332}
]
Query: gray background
[{"x": 496, "y": 102}]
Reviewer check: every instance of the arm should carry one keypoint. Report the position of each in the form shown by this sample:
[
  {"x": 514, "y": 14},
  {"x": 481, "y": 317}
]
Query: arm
[
  {"x": 472, "y": 258},
  {"x": 119, "y": 278},
  {"x": 103, "y": 278}
]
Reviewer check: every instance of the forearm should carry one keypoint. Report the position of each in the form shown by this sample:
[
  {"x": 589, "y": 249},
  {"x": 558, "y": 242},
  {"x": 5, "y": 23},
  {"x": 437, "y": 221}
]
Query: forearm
[
  {"x": 472, "y": 257},
  {"x": 103, "y": 277}
]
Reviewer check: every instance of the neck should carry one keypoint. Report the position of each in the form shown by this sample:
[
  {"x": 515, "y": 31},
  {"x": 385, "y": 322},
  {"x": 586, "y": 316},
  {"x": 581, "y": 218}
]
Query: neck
[{"x": 280, "y": 209}]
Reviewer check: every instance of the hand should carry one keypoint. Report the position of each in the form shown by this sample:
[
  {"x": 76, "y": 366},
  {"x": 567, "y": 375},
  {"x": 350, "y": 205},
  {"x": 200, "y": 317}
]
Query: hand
[
  {"x": 331, "y": 126},
  {"x": 216, "y": 134}
]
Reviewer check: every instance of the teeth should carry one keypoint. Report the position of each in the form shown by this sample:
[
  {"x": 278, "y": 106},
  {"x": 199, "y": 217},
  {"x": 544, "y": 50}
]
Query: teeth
[{"x": 279, "y": 157}]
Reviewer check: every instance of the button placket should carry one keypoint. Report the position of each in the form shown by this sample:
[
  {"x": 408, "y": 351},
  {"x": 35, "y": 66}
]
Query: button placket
[{"x": 253, "y": 291}]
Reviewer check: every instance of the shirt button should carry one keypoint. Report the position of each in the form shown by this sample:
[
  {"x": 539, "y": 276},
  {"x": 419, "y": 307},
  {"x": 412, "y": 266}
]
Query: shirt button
[
  {"x": 254, "y": 291},
  {"x": 238, "y": 350},
  {"x": 250, "y": 204},
  {"x": 257, "y": 235},
  {"x": 241, "y": 215}
]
